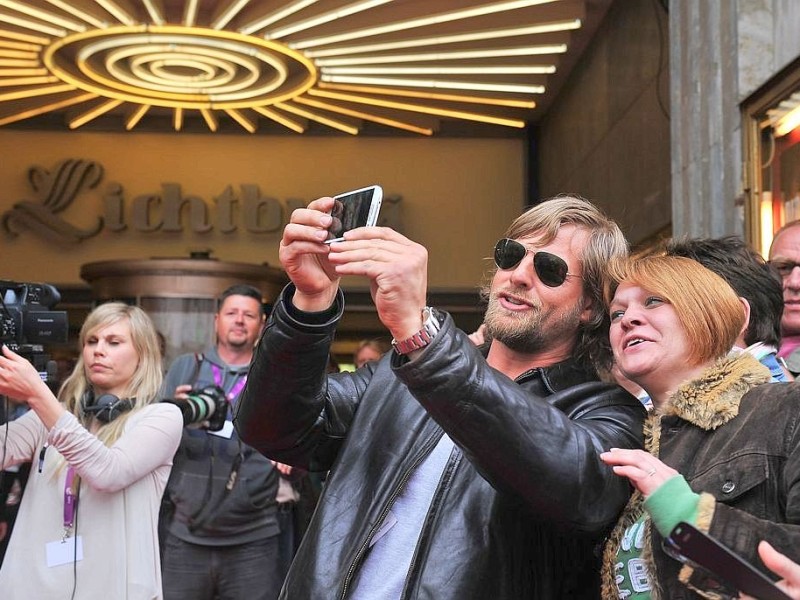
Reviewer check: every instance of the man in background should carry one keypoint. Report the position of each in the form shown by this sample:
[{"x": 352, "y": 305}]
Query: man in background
[
  {"x": 784, "y": 255},
  {"x": 368, "y": 350},
  {"x": 221, "y": 521}
]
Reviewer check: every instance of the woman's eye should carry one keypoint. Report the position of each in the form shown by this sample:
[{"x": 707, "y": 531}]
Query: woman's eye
[
  {"x": 617, "y": 314},
  {"x": 653, "y": 300}
]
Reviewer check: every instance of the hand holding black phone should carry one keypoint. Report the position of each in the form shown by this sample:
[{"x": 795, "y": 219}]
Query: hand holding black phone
[{"x": 696, "y": 548}]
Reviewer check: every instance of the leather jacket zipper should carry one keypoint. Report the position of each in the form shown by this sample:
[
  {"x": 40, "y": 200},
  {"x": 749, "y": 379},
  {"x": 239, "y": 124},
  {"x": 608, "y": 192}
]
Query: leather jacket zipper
[
  {"x": 447, "y": 475},
  {"x": 359, "y": 555}
]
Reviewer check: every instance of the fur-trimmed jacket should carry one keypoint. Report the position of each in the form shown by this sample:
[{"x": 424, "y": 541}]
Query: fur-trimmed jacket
[{"x": 737, "y": 443}]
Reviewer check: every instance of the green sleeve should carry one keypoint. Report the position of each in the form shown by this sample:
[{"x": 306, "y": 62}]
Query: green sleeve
[{"x": 672, "y": 502}]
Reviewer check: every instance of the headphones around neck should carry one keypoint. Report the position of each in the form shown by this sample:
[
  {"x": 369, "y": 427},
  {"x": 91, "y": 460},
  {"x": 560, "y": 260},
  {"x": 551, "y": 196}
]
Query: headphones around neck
[{"x": 106, "y": 407}]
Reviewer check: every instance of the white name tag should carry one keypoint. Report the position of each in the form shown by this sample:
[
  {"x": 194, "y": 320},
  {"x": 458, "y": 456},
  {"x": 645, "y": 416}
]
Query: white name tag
[
  {"x": 64, "y": 552},
  {"x": 226, "y": 431}
]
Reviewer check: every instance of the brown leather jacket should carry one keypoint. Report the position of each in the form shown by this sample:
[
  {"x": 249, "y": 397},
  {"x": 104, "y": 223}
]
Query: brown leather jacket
[
  {"x": 522, "y": 502},
  {"x": 736, "y": 440}
]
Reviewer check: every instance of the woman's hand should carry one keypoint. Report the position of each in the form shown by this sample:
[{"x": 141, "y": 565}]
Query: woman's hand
[
  {"x": 783, "y": 567},
  {"x": 21, "y": 382},
  {"x": 644, "y": 470}
]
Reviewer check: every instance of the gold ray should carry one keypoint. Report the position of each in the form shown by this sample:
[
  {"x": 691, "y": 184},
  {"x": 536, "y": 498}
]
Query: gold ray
[
  {"x": 36, "y": 91},
  {"x": 228, "y": 13},
  {"x": 280, "y": 119},
  {"x": 23, "y": 72},
  {"x": 210, "y": 118},
  {"x": 24, "y": 37},
  {"x": 362, "y": 115},
  {"x": 428, "y": 95},
  {"x": 275, "y": 16},
  {"x": 45, "y": 108},
  {"x": 117, "y": 12},
  {"x": 446, "y": 17},
  {"x": 457, "y": 114},
  {"x": 190, "y": 13},
  {"x": 34, "y": 25},
  {"x": 440, "y": 40},
  {"x": 27, "y": 81},
  {"x": 241, "y": 119},
  {"x": 154, "y": 10},
  {"x": 136, "y": 115},
  {"x": 177, "y": 119},
  {"x": 321, "y": 19},
  {"x": 93, "y": 113},
  {"x": 43, "y": 15},
  {"x": 318, "y": 118},
  {"x": 76, "y": 12}
]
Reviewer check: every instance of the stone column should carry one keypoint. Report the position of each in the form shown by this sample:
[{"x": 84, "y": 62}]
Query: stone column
[{"x": 721, "y": 51}]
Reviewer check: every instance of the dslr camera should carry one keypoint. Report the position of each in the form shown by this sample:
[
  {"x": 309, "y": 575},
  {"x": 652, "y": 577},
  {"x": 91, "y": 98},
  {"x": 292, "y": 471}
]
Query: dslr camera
[
  {"x": 27, "y": 320},
  {"x": 206, "y": 407}
]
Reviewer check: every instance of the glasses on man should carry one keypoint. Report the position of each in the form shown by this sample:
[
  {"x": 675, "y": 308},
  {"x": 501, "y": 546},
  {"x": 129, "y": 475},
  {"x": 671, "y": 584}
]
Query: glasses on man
[{"x": 551, "y": 270}]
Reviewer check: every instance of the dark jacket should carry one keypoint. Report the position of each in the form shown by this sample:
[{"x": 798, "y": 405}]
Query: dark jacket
[
  {"x": 736, "y": 440},
  {"x": 522, "y": 501},
  {"x": 202, "y": 510}
]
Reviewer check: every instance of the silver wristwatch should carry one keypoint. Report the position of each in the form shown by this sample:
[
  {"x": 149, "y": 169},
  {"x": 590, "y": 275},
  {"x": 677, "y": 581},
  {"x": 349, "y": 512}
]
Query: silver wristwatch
[{"x": 430, "y": 327}]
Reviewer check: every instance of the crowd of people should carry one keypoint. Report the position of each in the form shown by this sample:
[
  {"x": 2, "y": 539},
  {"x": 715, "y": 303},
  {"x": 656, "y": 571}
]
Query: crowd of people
[{"x": 605, "y": 400}]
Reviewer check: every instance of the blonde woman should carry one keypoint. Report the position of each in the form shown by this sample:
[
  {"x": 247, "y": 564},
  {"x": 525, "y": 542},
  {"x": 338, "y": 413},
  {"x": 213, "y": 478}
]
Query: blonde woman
[
  {"x": 723, "y": 444},
  {"x": 101, "y": 453}
]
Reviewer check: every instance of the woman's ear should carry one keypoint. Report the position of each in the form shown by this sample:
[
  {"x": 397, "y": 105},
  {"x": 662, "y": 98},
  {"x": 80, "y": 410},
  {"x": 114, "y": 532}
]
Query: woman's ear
[{"x": 746, "y": 305}]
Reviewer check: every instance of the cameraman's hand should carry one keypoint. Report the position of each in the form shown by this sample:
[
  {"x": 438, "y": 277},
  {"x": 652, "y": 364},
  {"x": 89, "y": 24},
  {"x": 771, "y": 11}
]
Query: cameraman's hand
[
  {"x": 305, "y": 257},
  {"x": 21, "y": 382},
  {"x": 182, "y": 391},
  {"x": 398, "y": 272}
]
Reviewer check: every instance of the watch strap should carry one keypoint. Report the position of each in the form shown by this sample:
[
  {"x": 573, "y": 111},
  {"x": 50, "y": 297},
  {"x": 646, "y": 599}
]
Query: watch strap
[{"x": 430, "y": 327}]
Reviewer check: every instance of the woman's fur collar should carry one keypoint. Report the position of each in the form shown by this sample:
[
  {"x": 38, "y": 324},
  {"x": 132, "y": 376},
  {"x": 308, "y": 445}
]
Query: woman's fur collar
[{"x": 713, "y": 398}]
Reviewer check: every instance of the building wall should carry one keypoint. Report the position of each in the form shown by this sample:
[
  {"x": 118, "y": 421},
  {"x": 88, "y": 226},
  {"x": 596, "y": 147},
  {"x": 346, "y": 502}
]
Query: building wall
[
  {"x": 607, "y": 135},
  {"x": 458, "y": 195},
  {"x": 721, "y": 51}
]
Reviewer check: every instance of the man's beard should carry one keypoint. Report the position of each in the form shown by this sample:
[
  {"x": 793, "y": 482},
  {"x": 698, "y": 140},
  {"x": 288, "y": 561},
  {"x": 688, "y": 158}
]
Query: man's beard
[
  {"x": 532, "y": 331},
  {"x": 238, "y": 342}
]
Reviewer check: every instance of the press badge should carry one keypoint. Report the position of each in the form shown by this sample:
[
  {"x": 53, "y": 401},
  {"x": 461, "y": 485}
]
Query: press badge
[
  {"x": 226, "y": 431},
  {"x": 62, "y": 552}
]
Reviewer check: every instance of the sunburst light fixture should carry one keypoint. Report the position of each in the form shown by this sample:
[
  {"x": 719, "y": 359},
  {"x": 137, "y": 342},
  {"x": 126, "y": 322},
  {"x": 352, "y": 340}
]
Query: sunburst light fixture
[{"x": 405, "y": 65}]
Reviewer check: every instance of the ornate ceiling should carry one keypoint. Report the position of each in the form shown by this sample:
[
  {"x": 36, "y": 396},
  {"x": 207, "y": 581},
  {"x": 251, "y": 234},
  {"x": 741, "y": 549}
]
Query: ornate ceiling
[{"x": 369, "y": 67}]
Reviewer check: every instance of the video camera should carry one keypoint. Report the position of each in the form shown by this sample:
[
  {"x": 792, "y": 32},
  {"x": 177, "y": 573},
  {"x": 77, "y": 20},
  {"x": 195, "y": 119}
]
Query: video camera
[
  {"x": 206, "y": 407},
  {"x": 27, "y": 320}
]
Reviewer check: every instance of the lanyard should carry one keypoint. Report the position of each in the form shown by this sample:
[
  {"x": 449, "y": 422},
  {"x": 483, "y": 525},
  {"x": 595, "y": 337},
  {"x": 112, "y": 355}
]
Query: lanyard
[
  {"x": 70, "y": 502},
  {"x": 237, "y": 387}
]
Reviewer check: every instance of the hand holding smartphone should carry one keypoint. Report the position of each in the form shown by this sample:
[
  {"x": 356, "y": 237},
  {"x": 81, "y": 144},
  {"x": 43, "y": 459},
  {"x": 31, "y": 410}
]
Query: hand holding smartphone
[
  {"x": 358, "y": 208},
  {"x": 694, "y": 547}
]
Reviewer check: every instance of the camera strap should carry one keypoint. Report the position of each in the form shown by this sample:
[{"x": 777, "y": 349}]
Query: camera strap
[{"x": 235, "y": 390}]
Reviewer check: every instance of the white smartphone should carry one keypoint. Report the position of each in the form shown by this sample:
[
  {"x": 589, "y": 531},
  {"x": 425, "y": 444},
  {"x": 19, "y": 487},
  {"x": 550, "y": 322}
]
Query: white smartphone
[{"x": 358, "y": 208}]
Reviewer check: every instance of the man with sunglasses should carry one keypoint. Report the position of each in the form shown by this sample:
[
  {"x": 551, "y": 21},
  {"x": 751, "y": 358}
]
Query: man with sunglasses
[{"x": 456, "y": 472}]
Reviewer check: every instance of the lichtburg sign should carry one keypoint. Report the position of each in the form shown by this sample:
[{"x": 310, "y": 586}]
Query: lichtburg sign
[{"x": 165, "y": 211}]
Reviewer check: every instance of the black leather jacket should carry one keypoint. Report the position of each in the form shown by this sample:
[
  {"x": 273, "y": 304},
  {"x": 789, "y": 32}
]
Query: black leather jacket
[{"x": 522, "y": 502}]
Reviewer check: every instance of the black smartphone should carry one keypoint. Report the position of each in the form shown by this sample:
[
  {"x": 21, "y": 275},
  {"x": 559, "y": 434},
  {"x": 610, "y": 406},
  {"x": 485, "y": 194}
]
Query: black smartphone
[
  {"x": 358, "y": 208},
  {"x": 692, "y": 546}
]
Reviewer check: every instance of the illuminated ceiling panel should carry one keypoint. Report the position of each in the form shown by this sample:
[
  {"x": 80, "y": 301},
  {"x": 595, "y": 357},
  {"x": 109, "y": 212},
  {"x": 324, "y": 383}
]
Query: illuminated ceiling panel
[{"x": 357, "y": 67}]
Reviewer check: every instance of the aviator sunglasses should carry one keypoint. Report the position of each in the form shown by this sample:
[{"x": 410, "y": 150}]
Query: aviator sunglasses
[{"x": 551, "y": 270}]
